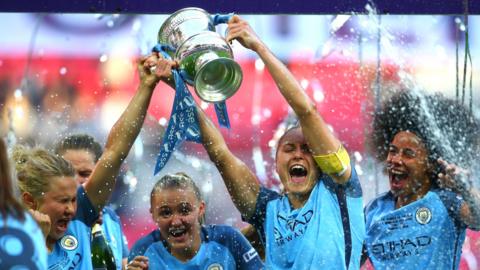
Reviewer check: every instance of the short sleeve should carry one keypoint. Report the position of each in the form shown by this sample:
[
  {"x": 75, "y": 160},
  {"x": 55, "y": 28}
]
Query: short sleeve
[
  {"x": 117, "y": 220},
  {"x": 142, "y": 244},
  {"x": 246, "y": 257},
  {"x": 352, "y": 187},
  {"x": 452, "y": 203},
  {"x": 125, "y": 246},
  {"x": 86, "y": 212},
  {"x": 258, "y": 218}
]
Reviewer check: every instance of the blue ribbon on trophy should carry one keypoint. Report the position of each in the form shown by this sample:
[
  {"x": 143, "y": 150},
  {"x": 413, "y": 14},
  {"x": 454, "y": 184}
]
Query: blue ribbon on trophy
[
  {"x": 183, "y": 123},
  {"x": 206, "y": 62},
  {"x": 221, "y": 107}
]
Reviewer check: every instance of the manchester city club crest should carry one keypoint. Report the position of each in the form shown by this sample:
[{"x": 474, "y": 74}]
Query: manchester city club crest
[
  {"x": 215, "y": 266},
  {"x": 423, "y": 215},
  {"x": 69, "y": 242}
]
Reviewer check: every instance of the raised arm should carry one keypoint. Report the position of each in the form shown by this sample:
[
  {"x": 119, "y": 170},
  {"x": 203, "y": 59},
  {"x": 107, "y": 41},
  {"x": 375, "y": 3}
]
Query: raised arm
[
  {"x": 239, "y": 179},
  {"x": 459, "y": 181},
  {"x": 241, "y": 182},
  {"x": 122, "y": 136},
  {"x": 320, "y": 139}
]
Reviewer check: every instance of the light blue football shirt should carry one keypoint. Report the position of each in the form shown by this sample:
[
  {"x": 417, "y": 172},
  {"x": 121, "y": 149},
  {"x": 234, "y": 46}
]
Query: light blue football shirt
[
  {"x": 22, "y": 244},
  {"x": 112, "y": 228},
  {"x": 311, "y": 237},
  {"x": 143, "y": 243},
  {"x": 425, "y": 234},
  {"x": 72, "y": 251},
  {"x": 222, "y": 248}
]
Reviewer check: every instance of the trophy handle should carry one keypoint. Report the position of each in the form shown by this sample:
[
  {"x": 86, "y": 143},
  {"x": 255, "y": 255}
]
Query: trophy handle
[{"x": 221, "y": 18}]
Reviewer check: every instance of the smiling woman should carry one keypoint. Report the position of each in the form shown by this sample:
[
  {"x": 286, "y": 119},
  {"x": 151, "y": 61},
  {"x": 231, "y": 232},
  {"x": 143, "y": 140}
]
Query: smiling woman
[
  {"x": 322, "y": 201},
  {"x": 181, "y": 241},
  {"x": 431, "y": 202},
  {"x": 408, "y": 167}
]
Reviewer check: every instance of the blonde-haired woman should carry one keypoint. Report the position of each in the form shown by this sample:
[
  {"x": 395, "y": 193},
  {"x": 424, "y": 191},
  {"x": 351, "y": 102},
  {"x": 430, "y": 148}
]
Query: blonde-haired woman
[
  {"x": 181, "y": 241},
  {"x": 48, "y": 185},
  {"x": 48, "y": 188},
  {"x": 21, "y": 240}
]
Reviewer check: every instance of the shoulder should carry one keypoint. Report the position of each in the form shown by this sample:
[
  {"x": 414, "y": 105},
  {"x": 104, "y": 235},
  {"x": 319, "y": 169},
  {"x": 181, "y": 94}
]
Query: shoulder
[
  {"x": 109, "y": 212},
  {"x": 153, "y": 236},
  {"x": 86, "y": 211},
  {"x": 267, "y": 195},
  {"x": 81, "y": 191},
  {"x": 153, "y": 250},
  {"x": 84, "y": 204},
  {"x": 28, "y": 226},
  {"x": 144, "y": 242},
  {"x": 140, "y": 247},
  {"x": 451, "y": 201},
  {"x": 224, "y": 235},
  {"x": 219, "y": 230},
  {"x": 22, "y": 242},
  {"x": 352, "y": 187},
  {"x": 380, "y": 199},
  {"x": 447, "y": 197},
  {"x": 219, "y": 233}
]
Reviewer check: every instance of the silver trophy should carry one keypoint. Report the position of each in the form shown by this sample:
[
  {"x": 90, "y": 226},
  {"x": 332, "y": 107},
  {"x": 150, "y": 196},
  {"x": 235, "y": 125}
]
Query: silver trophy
[{"x": 203, "y": 54}]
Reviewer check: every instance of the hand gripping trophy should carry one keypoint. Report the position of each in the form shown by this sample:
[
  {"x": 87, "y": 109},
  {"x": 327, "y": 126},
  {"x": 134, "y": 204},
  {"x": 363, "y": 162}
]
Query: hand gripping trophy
[
  {"x": 205, "y": 57},
  {"x": 206, "y": 62}
]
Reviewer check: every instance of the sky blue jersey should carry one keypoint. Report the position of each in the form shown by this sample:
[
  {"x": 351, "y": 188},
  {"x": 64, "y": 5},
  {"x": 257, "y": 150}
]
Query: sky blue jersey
[
  {"x": 312, "y": 237},
  {"x": 143, "y": 243},
  {"x": 112, "y": 228},
  {"x": 222, "y": 248},
  {"x": 72, "y": 251},
  {"x": 425, "y": 234},
  {"x": 22, "y": 245}
]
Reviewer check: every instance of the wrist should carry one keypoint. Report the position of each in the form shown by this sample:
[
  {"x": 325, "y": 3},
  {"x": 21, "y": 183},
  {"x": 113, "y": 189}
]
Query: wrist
[
  {"x": 259, "y": 48},
  {"x": 148, "y": 85}
]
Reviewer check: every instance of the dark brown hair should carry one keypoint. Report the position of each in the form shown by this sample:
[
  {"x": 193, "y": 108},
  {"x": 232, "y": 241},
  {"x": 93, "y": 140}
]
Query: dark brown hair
[
  {"x": 79, "y": 142},
  {"x": 446, "y": 127}
]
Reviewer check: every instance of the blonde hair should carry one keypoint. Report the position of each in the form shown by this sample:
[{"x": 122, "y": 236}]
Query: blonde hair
[
  {"x": 175, "y": 181},
  {"x": 9, "y": 204},
  {"x": 36, "y": 166}
]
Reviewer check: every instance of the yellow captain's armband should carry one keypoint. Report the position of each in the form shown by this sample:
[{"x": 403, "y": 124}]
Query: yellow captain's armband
[{"x": 334, "y": 163}]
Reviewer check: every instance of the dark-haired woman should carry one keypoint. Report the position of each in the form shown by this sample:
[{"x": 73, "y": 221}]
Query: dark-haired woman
[
  {"x": 425, "y": 140},
  {"x": 83, "y": 152}
]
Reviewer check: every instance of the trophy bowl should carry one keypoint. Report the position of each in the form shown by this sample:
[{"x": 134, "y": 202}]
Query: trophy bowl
[
  {"x": 183, "y": 24},
  {"x": 204, "y": 55}
]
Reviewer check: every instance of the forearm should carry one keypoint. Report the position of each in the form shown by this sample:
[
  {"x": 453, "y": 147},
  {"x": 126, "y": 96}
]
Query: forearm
[
  {"x": 289, "y": 87},
  {"x": 128, "y": 126},
  {"x": 314, "y": 128},
  {"x": 119, "y": 142},
  {"x": 240, "y": 181},
  {"x": 320, "y": 139}
]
